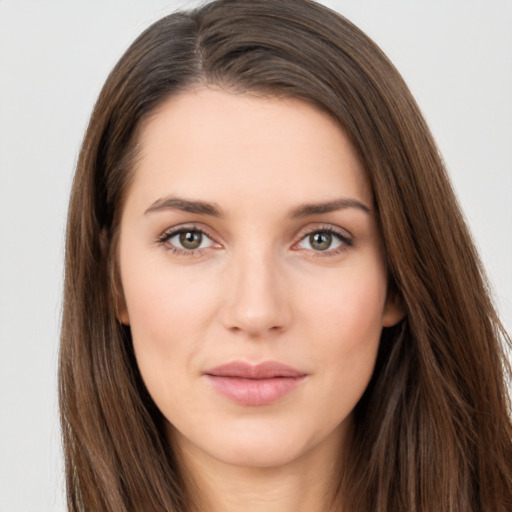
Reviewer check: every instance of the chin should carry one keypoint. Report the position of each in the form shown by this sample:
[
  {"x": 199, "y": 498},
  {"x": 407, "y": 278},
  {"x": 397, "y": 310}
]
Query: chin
[
  {"x": 263, "y": 455},
  {"x": 260, "y": 444}
]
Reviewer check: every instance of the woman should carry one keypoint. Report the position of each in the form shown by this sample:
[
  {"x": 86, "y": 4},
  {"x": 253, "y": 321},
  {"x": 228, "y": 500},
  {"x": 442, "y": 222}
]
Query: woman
[{"x": 272, "y": 301}]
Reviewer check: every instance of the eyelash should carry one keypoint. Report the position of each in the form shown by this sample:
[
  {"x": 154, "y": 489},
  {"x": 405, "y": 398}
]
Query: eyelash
[
  {"x": 164, "y": 238},
  {"x": 346, "y": 241}
]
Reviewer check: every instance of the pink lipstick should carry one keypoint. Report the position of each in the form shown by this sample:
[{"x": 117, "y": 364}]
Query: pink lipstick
[{"x": 254, "y": 385}]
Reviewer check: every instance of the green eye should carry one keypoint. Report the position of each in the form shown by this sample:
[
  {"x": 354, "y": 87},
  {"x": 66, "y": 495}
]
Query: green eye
[
  {"x": 190, "y": 239},
  {"x": 320, "y": 241},
  {"x": 326, "y": 240},
  {"x": 186, "y": 241}
]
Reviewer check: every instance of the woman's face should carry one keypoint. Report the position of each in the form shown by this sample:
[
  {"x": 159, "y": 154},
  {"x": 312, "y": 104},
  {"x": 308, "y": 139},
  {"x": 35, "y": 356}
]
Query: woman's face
[{"x": 253, "y": 276}]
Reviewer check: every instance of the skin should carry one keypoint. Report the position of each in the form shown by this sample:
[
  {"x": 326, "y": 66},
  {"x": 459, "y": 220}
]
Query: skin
[{"x": 258, "y": 288}]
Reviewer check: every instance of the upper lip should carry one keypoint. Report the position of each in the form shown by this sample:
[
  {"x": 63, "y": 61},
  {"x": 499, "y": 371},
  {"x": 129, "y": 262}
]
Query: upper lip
[{"x": 265, "y": 370}]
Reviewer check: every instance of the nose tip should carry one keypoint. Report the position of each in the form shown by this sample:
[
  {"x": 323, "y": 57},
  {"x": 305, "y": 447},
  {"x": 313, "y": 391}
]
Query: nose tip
[{"x": 256, "y": 304}]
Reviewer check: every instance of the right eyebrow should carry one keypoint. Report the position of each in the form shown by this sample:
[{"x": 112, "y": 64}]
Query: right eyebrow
[{"x": 184, "y": 205}]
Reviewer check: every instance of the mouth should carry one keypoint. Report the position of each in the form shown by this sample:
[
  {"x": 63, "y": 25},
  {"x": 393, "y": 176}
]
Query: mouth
[{"x": 255, "y": 385}]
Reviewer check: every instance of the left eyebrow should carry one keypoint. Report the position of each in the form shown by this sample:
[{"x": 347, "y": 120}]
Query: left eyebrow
[{"x": 306, "y": 210}]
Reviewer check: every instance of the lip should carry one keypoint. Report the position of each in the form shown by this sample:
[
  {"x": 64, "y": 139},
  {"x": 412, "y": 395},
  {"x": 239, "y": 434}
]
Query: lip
[{"x": 254, "y": 384}]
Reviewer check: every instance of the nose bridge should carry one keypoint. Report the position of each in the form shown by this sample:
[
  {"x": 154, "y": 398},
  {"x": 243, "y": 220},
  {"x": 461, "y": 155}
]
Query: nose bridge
[{"x": 256, "y": 303}]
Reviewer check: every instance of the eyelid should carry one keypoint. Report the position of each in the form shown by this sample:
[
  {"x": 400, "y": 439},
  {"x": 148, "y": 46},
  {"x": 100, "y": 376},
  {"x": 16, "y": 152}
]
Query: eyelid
[
  {"x": 346, "y": 239},
  {"x": 169, "y": 233}
]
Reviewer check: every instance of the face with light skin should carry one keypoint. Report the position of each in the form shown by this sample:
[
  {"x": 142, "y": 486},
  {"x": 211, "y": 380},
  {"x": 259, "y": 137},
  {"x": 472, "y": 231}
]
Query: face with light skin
[{"x": 249, "y": 234}]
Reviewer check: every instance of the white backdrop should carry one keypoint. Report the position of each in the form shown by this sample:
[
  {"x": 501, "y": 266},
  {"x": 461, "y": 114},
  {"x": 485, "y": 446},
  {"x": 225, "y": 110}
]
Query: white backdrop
[{"x": 456, "y": 56}]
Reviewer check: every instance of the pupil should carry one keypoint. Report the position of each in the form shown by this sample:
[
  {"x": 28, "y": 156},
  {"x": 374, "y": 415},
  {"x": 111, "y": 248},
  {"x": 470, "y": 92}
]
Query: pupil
[
  {"x": 191, "y": 239},
  {"x": 320, "y": 241}
]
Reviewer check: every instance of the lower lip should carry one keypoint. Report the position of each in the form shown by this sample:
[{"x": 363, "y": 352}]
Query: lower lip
[{"x": 254, "y": 392}]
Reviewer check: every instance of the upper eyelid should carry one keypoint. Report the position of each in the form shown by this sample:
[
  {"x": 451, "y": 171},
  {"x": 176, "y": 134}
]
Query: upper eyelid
[
  {"x": 336, "y": 230},
  {"x": 346, "y": 239},
  {"x": 170, "y": 232},
  {"x": 304, "y": 232}
]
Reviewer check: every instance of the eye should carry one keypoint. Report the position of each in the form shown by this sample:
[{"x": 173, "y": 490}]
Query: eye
[
  {"x": 186, "y": 240},
  {"x": 326, "y": 240}
]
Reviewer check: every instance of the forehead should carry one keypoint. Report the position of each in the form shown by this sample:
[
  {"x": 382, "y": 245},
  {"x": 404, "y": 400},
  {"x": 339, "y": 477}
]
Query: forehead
[{"x": 217, "y": 145}]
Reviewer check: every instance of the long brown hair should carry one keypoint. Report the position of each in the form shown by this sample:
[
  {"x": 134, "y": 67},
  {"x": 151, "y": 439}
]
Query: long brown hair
[{"x": 432, "y": 431}]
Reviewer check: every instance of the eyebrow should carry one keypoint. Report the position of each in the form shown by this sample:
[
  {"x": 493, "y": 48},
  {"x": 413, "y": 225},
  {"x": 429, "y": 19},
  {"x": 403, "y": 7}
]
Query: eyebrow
[
  {"x": 306, "y": 210},
  {"x": 184, "y": 205},
  {"x": 303, "y": 210}
]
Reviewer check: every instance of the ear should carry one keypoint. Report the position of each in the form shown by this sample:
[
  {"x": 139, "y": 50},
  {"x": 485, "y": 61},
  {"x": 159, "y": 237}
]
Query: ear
[
  {"x": 122, "y": 310},
  {"x": 117, "y": 294},
  {"x": 394, "y": 311}
]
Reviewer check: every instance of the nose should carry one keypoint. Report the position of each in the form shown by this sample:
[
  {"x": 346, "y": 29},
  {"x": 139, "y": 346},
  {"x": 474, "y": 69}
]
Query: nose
[{"x": 256, "y": 302}]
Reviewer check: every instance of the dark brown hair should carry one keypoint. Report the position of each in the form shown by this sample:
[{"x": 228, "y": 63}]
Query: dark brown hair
[{"x": 433, "y": 430}]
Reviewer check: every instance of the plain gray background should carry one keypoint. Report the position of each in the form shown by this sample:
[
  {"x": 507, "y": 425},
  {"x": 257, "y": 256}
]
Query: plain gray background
[{"x": 456, "y": 56}]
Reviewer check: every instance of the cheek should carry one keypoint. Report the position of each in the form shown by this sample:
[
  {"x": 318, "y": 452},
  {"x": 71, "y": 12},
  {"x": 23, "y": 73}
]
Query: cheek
[
  {"x": 345, "y": 320},
  {"x": 348, "y": 305},
  {"x": 168, "y": 313},
  {"x": 164, "y": 304}
]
